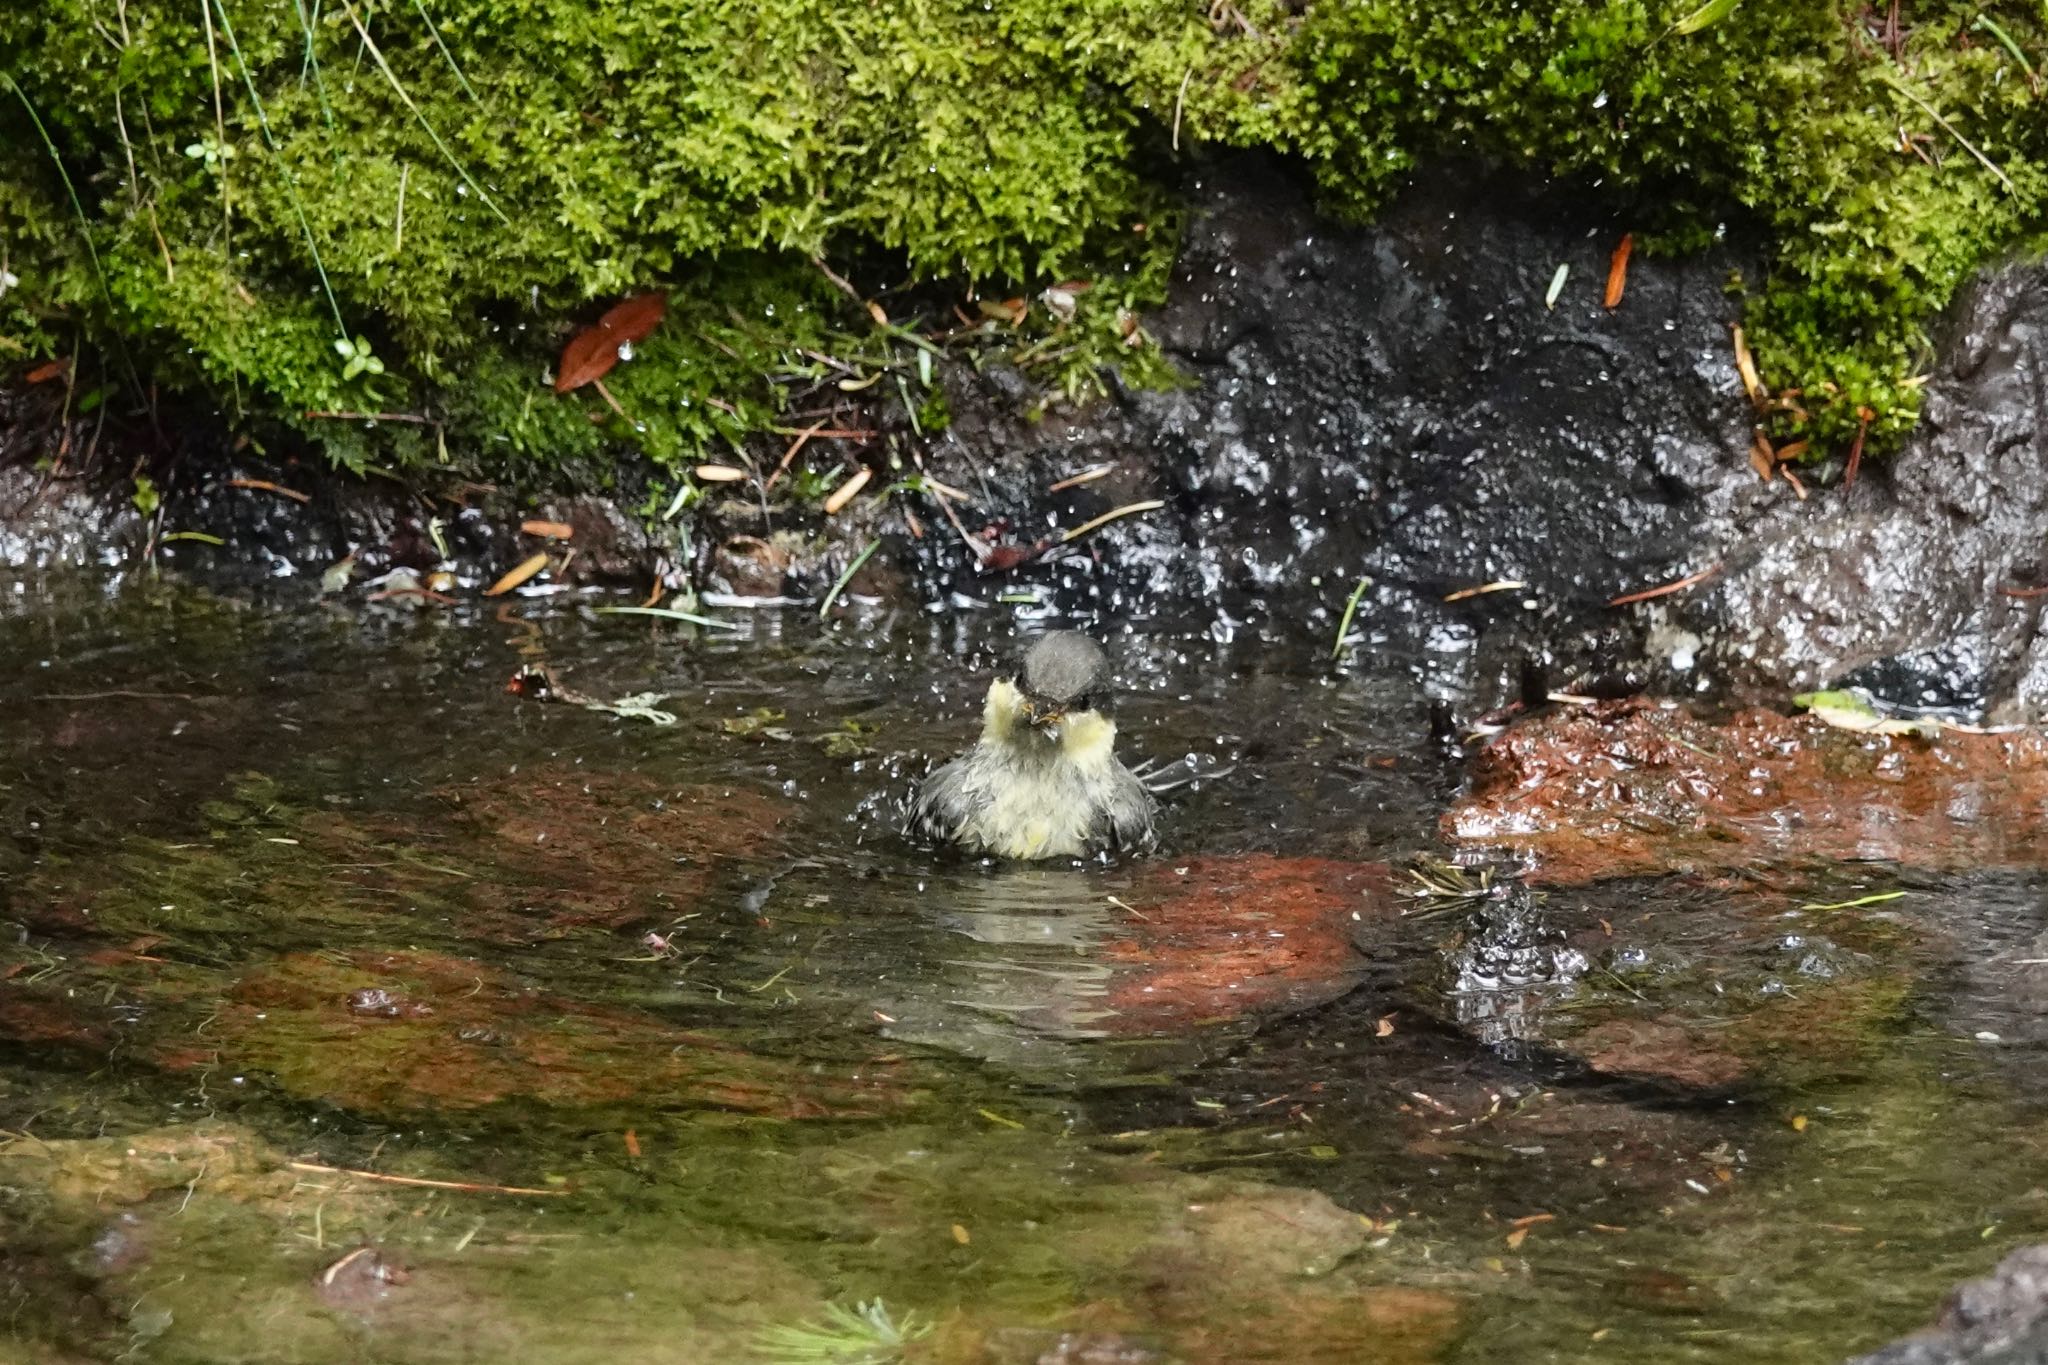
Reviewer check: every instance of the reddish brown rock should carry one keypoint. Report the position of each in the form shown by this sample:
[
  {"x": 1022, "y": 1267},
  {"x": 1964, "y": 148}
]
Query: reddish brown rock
[
  {"x": 1219, "y": 938},
  {"x": 473, "y": 1035},
  {"x": 568, "y": 848},
  {"x": 1652, "y": 1049},
  {"x": 1636, "y": 788}
]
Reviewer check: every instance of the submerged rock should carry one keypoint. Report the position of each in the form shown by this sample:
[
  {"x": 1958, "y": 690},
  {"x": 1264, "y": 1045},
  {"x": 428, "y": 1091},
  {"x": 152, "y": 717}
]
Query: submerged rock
[
  {"x": 1215, "y": 939},
  {"x": 2001, "y": 1319},
  {"x": 462, "y": 1035},
  {"x": 1628, "y": 788}
]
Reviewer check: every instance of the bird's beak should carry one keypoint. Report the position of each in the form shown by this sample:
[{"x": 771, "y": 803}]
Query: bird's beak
[{"x": 1043, "y": 715}]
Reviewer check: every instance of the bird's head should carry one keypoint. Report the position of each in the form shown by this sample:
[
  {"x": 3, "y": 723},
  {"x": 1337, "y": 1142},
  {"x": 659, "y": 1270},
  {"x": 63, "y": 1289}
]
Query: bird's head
[
  {"x": 1063, "y": 673},
  {"x": 1054, "y": 693}
]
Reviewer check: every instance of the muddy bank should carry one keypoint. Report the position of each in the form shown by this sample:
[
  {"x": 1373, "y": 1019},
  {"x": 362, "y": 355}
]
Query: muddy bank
[{"x": 1395, "y": 403}]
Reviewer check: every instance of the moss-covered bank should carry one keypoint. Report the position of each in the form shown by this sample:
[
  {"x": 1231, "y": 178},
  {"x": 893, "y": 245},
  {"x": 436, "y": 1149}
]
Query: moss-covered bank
[{"x": 349, "y": 206}]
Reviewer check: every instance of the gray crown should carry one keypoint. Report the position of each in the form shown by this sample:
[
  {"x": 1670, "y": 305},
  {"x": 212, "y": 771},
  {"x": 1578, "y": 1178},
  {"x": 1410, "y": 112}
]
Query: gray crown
[{"x": 1064, "y": 667}]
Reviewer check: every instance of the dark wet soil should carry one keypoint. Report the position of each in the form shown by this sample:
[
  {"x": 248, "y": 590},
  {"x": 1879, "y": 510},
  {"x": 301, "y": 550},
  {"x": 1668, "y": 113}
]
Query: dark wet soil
[{"x": 353, "y": 1007}]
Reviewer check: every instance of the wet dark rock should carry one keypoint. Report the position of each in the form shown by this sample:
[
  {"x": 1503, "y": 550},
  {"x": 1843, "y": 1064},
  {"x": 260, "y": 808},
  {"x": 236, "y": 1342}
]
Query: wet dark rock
[
  {"x": 2001, "y": 1319},
  {"x": 1629, "y": 788},
  {"x": 1394, "y": 402},
  {"x": 54, "y": 522},
  {"x": 1901, "y": 581},
  {"x": 612, "y": 544},
  {"x": 1398, "y": 402},
  {"x": 750, "y": 566}
]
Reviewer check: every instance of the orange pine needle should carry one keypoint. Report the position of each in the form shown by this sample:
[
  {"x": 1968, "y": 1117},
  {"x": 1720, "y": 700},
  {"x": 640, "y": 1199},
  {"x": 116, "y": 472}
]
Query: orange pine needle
[
  {"x": 1617, "y": 270},
  {"x": 266, "y": 486},
  {"x": 1665, "y": 589}
]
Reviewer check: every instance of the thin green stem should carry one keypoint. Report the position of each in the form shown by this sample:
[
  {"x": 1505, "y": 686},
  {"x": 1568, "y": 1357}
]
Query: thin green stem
[
  {"x": 309, "y": 21},
  {"x": 460, "y": 79},
  {"x": 1988, "y": 164},
  {"x": 77, "y": 205},
  {"x": 291, "y": 181},
  {"x": 377, "y": 55},
  {"x": 1350, "y": 610},
  {"x": 847, "y": 577},
  {"x": 1986, "y": 24},
  {"x": 220, "y": 132}
]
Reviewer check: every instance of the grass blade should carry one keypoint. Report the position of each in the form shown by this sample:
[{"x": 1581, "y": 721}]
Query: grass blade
[
  {"x": 291, "y": 182},
  {"x": 460, "y": 79},
  {"x": 1706, "y": 16},
  {"x": 847, "y": 577},
  {"x": 666, "y": 614},
  {"x": 1350, "y": 610},
  {"x": 377, "y": 55}
]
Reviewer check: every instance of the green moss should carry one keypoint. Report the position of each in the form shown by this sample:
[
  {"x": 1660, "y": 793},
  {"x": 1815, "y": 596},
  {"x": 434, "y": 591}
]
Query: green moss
[
  {"x": 1787, "y": 117},
  {"x": 264, "y": 184},
  {"x": 712, "y": 148}
]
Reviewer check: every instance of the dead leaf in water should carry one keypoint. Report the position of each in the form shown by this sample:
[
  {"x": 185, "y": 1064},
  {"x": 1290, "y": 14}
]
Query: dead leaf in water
[
  {"x": 592, "y": 352},
  {"x": 1001, "y": 558}
]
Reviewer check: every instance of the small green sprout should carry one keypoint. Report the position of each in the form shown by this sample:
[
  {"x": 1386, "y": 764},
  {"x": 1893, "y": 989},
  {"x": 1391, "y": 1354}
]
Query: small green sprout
[{"x": 356, "y": 357}]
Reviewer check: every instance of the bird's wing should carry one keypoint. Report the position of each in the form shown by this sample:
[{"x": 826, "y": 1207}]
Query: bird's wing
[
  {"x": 1160, "y": 777},
  {"x": 1129, "y": 812},
  {"x": 940, "y": 804}
]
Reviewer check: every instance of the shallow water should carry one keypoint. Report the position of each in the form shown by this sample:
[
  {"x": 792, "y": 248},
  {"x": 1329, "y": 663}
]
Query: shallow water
[{"x": 306, "y": 884}]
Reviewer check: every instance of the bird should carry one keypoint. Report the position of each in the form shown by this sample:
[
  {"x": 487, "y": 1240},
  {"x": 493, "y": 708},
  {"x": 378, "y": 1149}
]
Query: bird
[{"x": 1043, "y": 781}]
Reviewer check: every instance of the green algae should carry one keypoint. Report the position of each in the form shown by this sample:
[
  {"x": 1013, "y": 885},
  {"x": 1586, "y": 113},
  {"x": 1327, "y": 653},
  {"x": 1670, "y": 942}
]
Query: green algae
[{"x": 474, "y": 180}]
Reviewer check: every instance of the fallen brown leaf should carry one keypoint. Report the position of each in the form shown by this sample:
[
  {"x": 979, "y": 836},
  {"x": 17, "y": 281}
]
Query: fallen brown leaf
[
  {"x": 1762, "y": 458},
  {"x": 592, "y": 352}
]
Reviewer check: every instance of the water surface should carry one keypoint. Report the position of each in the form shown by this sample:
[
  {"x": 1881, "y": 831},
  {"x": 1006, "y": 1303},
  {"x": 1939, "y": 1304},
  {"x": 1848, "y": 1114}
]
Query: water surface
[{"x": 704, "y": 1050}]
